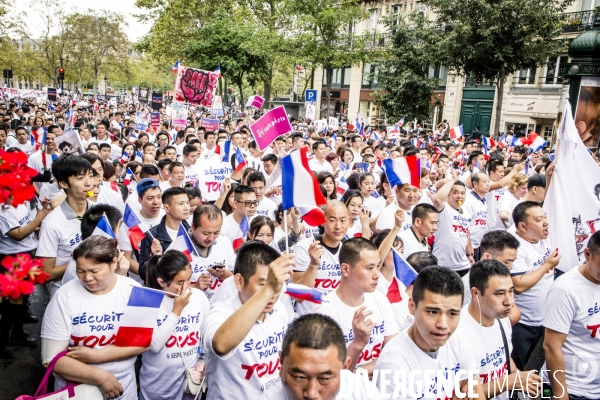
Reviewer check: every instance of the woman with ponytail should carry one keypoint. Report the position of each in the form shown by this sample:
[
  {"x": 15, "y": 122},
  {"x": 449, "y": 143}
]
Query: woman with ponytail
[{"x": 177, "y": 335}]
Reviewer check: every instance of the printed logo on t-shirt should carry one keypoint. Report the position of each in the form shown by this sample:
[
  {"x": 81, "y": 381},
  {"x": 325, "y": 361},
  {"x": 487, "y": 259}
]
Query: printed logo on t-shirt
[{"x": 267, "y": 351}]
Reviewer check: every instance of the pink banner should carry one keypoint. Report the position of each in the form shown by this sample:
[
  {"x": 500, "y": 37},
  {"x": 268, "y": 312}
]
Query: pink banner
[
  {"x": 271, "y": 125},
  {"x": 155, "y": 119},
  {"x": 209, "y": 124},
  {"x": 257, "y": 102}
]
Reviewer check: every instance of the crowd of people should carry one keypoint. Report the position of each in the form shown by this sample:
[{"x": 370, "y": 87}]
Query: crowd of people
[{"x": 487, "y": 289}]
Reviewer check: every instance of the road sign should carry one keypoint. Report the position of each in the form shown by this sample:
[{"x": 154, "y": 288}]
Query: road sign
[{"x": 310, "y": 95}]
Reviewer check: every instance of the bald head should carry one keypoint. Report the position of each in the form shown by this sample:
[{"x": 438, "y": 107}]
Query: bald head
[
  {"x": 336, "y": 222},
  {"x": 333, "y": 207}
]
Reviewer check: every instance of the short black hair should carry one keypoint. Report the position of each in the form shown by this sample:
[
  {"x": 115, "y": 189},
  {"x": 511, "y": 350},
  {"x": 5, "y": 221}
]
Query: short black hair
[
  {"x": 314, "y": 331},
  {"x": 438, "y": 280},
  {"x": 594, "y": 243},
  {"x": 168, "y": 194},
  {"x": 70, "y": 165},
  {"x": 144, "y": 147},
  {"x": 104, "y": 146},
  {"x": 211, "y": 211},
  {"x": 481, "y": 272},
  {"x": 270, "y": 157},
  {"x": 519, "y": 214},
  {"x": 250, "y": 255},
  {"x": 351, "y": 250},
  {"x": 255, "y": 177},
  {"x": 163, "y": 163},
  {"x": 421, "y": 211},
  {"x": 193, "y": 192},
  {"x": 94, "y": 214},
  {"x": 189, "y": 148},
  {"x": 240, "y": 190},
  {"x": 148, "y": 171},
  {"x": 494, "y": 242},
  {"x": 421, "y": 260},
  {"x": 316, "y": 144}
]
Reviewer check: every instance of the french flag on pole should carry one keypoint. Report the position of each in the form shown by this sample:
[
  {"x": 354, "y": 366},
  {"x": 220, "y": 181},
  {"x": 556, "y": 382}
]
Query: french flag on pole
[
  {"x": 218, "y": 71},
  {"x": 132, "y": 222},
  {"x": 240, "y": 161},
  {"x": 376, "y": 136},
  {"x": 139, "y": 318},
  {"x": 242, "y": 233},
  {"x": 176, "y": 67},
  {"x": 128, "y": 176},
  {"x": 404, "y": 273},
  {"x": 124, "y": 159},
  {"x": 302, "y": 292},
  {"x": 535, "y": 142},
  {"x": 299, "y": 187},
  {"x": 342, "y": 186},
  {"x": 103, "y": 228},
  {"x": 226, "y": 149},
  {"x": 312, "y": 216},
  {"x": 182, "y": 243},
  {"x": 456, "y": 133},
  {"x": 42, "y": 133},
  {"x": 132, "y": 137},
  {"x": 403, "y": 170}
]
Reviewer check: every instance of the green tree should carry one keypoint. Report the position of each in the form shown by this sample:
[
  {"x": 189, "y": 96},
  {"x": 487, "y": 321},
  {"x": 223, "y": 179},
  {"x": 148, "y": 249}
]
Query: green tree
[
  {"x": 228, "y": 40},
  {"x": 491, "y": 39},
  {"x": 403, "y": 75},
  {"x": 322, "y": 35}
]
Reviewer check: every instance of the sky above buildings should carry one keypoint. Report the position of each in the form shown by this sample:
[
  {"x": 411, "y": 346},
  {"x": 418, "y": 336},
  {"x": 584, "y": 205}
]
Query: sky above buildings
[{"x": 135, "y": 30}]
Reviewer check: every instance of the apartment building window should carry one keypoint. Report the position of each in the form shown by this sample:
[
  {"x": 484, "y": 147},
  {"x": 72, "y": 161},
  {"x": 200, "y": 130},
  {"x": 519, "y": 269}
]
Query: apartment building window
[
  {"x": 552, "y": 68},
  {"x": 440, "y": 72},
  {"x": 526, "y": 77},
  {"x": 589, "y": 4},
  {"x": 397, "y": 9},
  {"x": 373, "y": 19},
  {"x": 340, "y": 78},
  {"x": 370, "y": 76}
]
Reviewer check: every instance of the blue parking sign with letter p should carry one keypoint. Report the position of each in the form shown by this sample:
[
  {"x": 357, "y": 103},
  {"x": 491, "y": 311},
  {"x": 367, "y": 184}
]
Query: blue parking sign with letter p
[{"x": 310, "y": 95}]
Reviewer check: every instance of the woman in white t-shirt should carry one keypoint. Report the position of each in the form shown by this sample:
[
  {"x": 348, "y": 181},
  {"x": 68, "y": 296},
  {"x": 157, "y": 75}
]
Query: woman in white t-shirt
[
  {"x": 366, "y": 184},
  {"x": 262, "y": 228},
  {"x": 84, "y": 316},
  {"x": 517, "y": 189},
  {"x": 358, "y": 224},
  {"x": 178, "y": 332}
]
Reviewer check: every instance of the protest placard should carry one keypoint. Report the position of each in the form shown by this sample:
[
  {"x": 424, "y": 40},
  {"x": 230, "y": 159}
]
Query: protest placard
[{"x": 274, "y": 123}]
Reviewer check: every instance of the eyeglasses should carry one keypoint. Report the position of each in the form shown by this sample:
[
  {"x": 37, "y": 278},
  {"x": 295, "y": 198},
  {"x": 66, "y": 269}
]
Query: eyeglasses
[{"x": 249, "y": 203}]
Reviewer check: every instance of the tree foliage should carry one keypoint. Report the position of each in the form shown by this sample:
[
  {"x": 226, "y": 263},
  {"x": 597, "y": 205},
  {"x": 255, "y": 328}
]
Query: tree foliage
[
  {"x": 491, "y": 39},
  {"x": 404, "y": 82}
]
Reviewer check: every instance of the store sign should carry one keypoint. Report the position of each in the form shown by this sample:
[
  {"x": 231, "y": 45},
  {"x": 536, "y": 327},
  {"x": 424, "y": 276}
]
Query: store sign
[{"x": 533, "y": 107}]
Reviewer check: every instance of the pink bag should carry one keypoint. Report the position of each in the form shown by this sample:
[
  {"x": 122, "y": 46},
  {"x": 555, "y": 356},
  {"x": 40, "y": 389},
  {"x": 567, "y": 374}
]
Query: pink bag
[{"x": 73, "y": 391}]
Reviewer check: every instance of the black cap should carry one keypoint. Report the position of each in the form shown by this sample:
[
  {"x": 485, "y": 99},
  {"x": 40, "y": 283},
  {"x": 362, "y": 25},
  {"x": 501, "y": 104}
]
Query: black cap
[{"x": 537, "y": 180}]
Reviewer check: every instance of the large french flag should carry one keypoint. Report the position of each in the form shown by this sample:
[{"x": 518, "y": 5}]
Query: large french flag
[
  {"x": 182, "y": 243},
  {"x": 403, "y": 170},
  {"x": 136, "y": 234},
  {"x": 456, "y": 133},
  {"x": 241, "y": 234},
  {"x": 139, "y": 318},
  {"x": 103, "y": 228},
  {"x": 535, "y": 142},
  {"x": 312, "y": 216},
  {"x": 298, "y": 186}
]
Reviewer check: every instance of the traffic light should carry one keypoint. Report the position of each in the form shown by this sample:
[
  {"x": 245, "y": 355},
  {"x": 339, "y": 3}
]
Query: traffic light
[{"x": 61, "y": 73}]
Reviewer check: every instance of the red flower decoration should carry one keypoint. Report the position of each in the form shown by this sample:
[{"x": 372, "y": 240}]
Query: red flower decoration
[
  {"x": 23, "y": 272},
  {"x": 15, "y": 178}
]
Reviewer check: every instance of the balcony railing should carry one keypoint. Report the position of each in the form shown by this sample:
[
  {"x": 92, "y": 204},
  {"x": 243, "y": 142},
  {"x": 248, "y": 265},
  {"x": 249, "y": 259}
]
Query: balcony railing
[
  {"x": 579, "y": 21},
  {"x": 542, "y": 80}
]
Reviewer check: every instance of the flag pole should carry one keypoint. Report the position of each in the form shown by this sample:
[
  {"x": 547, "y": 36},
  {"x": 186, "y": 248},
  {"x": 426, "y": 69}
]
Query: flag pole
[{"x": 285, "y": 228}]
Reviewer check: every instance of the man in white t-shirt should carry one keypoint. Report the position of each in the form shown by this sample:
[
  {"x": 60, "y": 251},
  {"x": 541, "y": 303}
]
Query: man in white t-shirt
[
  {"x": 533, "y": 275},
  {"x": 430, "y": 344},
  {"x": 266, "y": 207},
  {"x": 498, "y": 183},
  {"x": 315, "y": 364},
  {"x": 245, "y": 204},
  {"x": 476, "y": 206},
  {"x": 424, "y": 223},
  {"x": 60, "y": 232},
  {"x": 243, "y": 335},
  {"x": 42, "y": 161},
  {"x": 356, "y": 143},
  {"x": 484, "y": 324},
  {"x": 317, "y": 259},
  {"x": 572, "y": 321},
  {"x": 318, "y": 163},
  {"x": 452, "y": 246},
  {"x": 364, "y": 313},
  {"x": 192, "y": 170},
  {"x": 23, "y": 142},
  {"x": 214, "y": 258},
  {"x": 407, "y": 196},
  {"x": 149, "y": 213},
  {"x": 101, "y": 134}
]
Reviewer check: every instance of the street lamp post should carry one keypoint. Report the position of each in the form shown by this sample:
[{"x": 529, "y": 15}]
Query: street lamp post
[{"x": 105, "y": 85}]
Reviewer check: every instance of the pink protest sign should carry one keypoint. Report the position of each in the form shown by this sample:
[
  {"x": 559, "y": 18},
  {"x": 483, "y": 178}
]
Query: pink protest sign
[
  {"x": 257, "y": 102},
  {"x": 271, "y": 125}
]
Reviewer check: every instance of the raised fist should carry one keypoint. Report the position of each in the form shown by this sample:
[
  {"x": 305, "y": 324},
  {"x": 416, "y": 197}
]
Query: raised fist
[{"x": 194, "y": 85}]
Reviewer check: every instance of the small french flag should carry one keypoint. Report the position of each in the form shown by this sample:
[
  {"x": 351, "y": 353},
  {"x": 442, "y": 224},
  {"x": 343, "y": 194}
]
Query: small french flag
[
  {"x": 374, "y": 194},
  {"x": 132, "y": 137},
  {"x": 132, "y": 222},
  {"x": 403, "y": 273},
  {"x": 302, "y": 292},
  {"x": 128, "y": 176},
  {"x": 176, "y": 67},
  {"x": 103, "y": 228},
  {"x": 403, "y": 170},
  {"x": 456, "y": 133},
  {"x": 139, "y": 154},
  {"x": 401, "y": 122},
  {"x": 342, "y": 186},
  {"x": 139, "y": 318},
  {"x": 376, "y": 136},
  {"x": 242, "y": 233},
  {"x": 42, "y": 133},
  {"x": 226, "y": 150},
  {"x": 32, "y": 140},
  {"x": 240, "y": 161},
  {"x": 218, "y": 71},
  {"x": 182, "y": 243}
]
